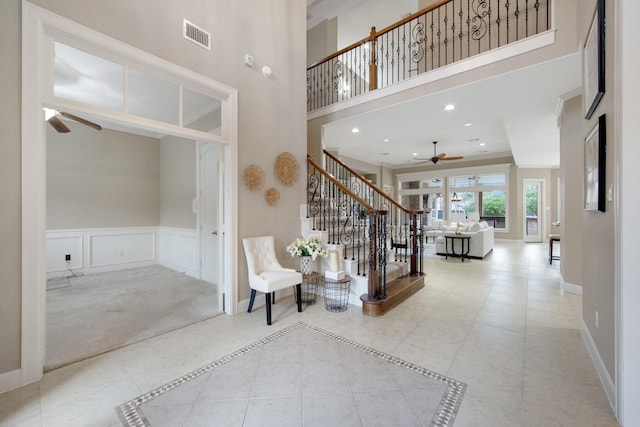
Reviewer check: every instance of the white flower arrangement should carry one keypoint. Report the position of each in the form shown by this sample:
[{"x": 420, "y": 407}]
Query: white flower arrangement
[{"x": 311, "y": 247}]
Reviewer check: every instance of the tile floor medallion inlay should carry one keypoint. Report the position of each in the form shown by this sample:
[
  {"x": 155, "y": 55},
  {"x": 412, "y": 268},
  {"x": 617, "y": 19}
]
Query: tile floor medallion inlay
[{"x": 301, "y": 376}]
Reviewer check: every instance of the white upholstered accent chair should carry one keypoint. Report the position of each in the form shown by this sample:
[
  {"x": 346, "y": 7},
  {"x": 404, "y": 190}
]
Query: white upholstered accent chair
[{"x": 265, "y": 272}]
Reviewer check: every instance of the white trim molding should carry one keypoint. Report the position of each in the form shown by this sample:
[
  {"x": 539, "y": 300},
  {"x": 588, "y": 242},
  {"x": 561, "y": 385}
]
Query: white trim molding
[
  {"x": 570, "y": 287},
  {"x": 601, "y": 369},
  {"x": 40, "y": 28},
  {"x": 97, "y": 250},
  {"x": 10, "y": 380},
  {"x": 178, "y": 250}
]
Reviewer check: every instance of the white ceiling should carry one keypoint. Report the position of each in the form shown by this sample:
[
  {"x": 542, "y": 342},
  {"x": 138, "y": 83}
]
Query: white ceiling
[{"x": 512, "y": 114}]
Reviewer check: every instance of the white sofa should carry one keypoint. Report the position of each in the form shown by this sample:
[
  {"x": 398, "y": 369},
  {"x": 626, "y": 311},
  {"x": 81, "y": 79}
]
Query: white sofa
[{"x": 480, "y": 243}]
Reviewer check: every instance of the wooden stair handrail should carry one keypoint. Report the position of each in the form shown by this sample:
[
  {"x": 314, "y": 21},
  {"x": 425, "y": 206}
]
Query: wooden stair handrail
[
  {"x": 340, "y": 185},
  {"x": 373, "y": 187},
  {"x": 375, "y": 33}
]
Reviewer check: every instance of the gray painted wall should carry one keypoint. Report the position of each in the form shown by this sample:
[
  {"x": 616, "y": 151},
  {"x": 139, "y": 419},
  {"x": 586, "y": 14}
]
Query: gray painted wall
[
  {"x": 101, "y": 179},
  {"x": 598, "y": 229},
  {"x": 322, "y": 40},
  {"x": 571, "y": 139},
  {"x": 271, "y": 112},
  {"x": 177, "y": 182}
]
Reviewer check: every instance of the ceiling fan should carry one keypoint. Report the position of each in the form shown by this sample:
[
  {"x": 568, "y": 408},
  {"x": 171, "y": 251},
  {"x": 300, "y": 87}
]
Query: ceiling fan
[
  {"x": 51, "y": 116},
  {"x": 442, "y": 156}
]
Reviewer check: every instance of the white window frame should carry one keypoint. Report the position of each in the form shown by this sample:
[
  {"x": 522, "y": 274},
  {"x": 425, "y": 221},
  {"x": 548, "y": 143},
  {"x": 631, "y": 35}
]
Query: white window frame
[{"x": 447, "y": 190}]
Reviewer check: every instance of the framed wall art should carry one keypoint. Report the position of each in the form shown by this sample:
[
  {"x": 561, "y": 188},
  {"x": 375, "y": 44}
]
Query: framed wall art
[
  {"x": 594, "y": 166},
  {"x": 594, "y": 62}
]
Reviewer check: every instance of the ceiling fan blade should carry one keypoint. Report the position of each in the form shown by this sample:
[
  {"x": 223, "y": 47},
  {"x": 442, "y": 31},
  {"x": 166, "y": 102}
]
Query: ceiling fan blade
[
  {"x": 81, "y": 120},
  {"x": 58, "y": 125},
  {"x": 441, "y": 155},
  {"x": 452, "y": 158}
]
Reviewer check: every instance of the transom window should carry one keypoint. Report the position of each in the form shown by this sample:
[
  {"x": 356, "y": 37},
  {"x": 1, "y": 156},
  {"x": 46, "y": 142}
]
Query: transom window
[{"x": 130, "y": 88}]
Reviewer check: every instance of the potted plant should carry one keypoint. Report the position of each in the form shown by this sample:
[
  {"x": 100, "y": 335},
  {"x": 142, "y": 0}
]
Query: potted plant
[{"x": 307, "y": 250}]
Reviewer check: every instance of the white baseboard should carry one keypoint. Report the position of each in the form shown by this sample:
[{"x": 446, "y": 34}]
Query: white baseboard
[
  {"x": 10, "y": 380},
  {"x": 601, "y": 369},
  {"x": 570, "y": 287}
]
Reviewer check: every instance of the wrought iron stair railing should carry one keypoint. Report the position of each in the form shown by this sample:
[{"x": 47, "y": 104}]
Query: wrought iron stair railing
[
  {"x": 404, "y": 226},
  {"x": 364, "y": 221},
  {"x": 351, "y": 222},
  {"x": 438, "y": 35}
]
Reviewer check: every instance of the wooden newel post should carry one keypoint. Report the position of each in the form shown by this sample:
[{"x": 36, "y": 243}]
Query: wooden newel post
[{"x": 373, "y": 63}]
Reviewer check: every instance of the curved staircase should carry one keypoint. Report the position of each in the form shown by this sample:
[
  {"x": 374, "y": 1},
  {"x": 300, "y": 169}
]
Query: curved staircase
[{"x": 373, "y": 234}]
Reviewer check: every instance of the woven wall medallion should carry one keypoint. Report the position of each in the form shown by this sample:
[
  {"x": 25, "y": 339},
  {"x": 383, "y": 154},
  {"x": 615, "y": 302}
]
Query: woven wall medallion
[
  {"x": 254, "y": 177},
  {"x": 287, "y": 169},
  {"x": 272, "y": 196}
]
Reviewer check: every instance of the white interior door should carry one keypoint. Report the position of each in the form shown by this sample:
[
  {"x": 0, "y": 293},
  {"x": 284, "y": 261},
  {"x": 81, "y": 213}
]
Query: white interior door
[
  {"x": 532, "y": 210},
  {"x": 209, "y": 208}
]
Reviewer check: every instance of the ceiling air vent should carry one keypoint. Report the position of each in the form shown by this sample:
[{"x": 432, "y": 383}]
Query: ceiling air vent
[{"x": 196, "y": 34}]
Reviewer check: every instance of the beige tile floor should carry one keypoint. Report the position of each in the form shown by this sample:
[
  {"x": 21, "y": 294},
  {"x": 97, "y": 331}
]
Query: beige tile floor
[{"x": 500, "y": 325}]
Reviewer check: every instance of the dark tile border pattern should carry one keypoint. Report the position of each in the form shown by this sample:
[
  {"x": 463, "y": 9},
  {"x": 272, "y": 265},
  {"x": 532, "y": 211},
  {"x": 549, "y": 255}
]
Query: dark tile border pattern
[{"x": 445, "y": 415}]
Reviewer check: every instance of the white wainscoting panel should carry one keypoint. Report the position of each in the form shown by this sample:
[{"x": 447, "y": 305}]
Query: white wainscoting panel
[
  {"x": 125, "y": 247},
  {"x": 96, "y": 250},
  {"x": 60, "y": 244},
  {"x": 179, "y": 250}
]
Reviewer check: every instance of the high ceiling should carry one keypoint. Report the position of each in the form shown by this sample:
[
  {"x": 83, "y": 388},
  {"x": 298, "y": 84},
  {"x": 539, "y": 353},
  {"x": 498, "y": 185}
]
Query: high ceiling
[{"x": 511, "y": 114}]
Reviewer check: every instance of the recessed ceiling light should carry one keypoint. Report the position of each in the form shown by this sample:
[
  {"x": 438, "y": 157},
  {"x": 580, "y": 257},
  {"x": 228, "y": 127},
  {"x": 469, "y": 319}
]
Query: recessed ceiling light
[
  {"x": 355, "y": 130},
  {"x": 467, "y": 125},
  {"x": 449, "y": 107},
  {"x": 415, "y": 154},
  {"x": 482, "y": 144},
  {"x": 386, "y": 140}
]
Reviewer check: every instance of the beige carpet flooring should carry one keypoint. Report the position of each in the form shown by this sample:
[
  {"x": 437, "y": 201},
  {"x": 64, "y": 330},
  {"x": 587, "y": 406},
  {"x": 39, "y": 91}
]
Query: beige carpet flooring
[{"x": 101, "y": 312}]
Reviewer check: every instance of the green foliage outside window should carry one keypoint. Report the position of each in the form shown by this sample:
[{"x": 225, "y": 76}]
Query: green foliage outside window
[
  {"x": 532, "y": 200},
  {"x": 493, "y": 203}
]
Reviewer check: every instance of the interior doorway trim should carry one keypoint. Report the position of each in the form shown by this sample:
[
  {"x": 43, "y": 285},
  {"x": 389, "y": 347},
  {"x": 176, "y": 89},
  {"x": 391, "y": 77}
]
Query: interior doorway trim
[{"x": 37, "y": 26}]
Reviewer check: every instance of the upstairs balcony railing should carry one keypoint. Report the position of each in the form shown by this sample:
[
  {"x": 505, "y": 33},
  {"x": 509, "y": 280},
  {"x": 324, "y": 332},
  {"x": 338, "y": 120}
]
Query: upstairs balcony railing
[{"x": 441, "y": 34}]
